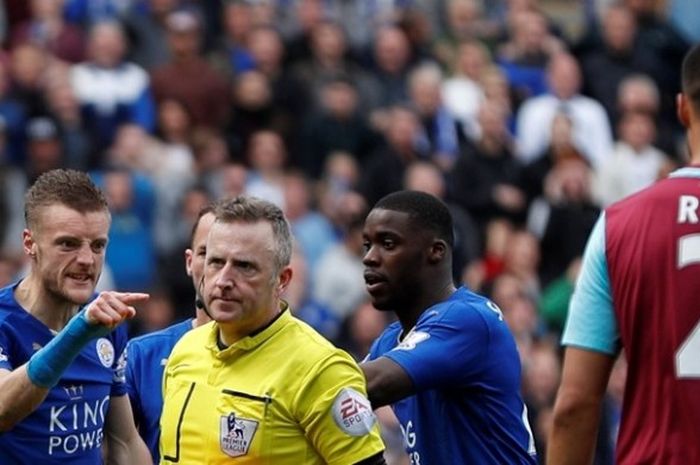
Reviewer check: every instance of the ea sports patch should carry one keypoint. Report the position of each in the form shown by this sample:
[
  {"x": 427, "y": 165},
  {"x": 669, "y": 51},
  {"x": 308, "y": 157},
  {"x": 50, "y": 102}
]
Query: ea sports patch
[
  {"x": 353, "y": 413},
  {"x": 411, "y": 340},
  {"x": 105, "y": 351},
  {"x": 236, "y": 434}
]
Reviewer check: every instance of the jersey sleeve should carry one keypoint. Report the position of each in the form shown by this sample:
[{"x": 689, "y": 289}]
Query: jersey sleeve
[
  {"x": 373, "y": 350},
  {"x": 131, "y": 359},
  {"x": 119, "y": 337},
  {"x": 444, "y": 348},
  {"x": 6, "y": 362},
  {"x": 335, "y": 413},
  {"x": 591, "y": 321}
]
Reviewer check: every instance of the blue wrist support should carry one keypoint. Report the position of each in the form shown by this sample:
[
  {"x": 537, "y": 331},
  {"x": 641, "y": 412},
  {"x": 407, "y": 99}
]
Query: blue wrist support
[{"x": 46, "y": 366}]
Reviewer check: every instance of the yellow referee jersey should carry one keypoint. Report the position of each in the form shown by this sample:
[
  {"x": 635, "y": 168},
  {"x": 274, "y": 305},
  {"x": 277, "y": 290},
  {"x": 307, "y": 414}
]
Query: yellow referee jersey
[{"x": 284, "y": 396}]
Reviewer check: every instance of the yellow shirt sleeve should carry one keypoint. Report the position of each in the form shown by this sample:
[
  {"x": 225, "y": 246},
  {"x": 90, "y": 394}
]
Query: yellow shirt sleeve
[{"x": 335, "y": 413}]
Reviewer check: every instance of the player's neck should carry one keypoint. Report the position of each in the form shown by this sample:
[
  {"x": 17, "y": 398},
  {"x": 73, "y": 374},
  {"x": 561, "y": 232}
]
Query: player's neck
[
  {"x": 201, "y": 318},
  {"x": 429, "y": 296},
  {"x": 46, "y": 307},
  {"x": 693, "y": 136}
]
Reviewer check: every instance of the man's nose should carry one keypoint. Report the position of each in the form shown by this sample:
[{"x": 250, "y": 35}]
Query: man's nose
[
  {"x": 224, "y": 278},
  {"x": 370, "y": 257},
  {"x": 85, "y": 255}
]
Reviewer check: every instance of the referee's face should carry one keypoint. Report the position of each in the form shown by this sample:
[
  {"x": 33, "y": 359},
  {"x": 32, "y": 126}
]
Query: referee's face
[{"x": 240, "y": 280}]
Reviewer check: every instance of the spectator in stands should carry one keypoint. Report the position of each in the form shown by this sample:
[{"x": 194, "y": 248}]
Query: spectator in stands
[
  {"x": 562, "y": 147},
  {"x": 463, "y": 92},
  {"x": 44, "y": 147},
  {"x": 337, "y": 125},
  {"x": 29, "y": 69},
  {"x": 64, "y": 108},
  {"x": 660, "y": 38},
  {"x": 146, "y": 27},
  {"x": 590, "y": 122},
  {"x": 639, "y": 93},
  {"x": 132, "y": 256},
  {"x": 304, "y": 306},
  {"x": 464, "y": 22},
  {"x": 232, "y": 52},
  {"x": 618, "y": 56},
  {"x": 338, "y": 282},
  {"x": 254, "y": 109},
  {"x": 384, "y": 170},
  {"x": 522, "y": 259},
  {"x": 188, "y": 77},
  {"x": 313, "y": 232},
  {"x": 267, "y": 158},
  {"x": 307, "y": 14},
  {"x": 330, "y": 57},
  {"x": 486, "y": 178},
  {"x": 392, "y": 61},
  {"x": 13, "y": 184},
  {"x": 14, "y": 116},
  {"x": 111, "y": 92},
  {"x": 441, "y": 133},
  {"x": 47, "y": 29},
  {"x": 634, "y": 163},
  {"x": 288, "y": 93},
  {"x": 524, "y": 58},
  {"x": 564, "y": 217}
]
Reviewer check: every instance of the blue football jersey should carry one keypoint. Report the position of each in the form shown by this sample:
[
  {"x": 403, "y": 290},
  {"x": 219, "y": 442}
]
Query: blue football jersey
[
  {"x": 145, "y": 361},
  {"x": 68, "y": 427},
  {"x": 464, "y": 364}
]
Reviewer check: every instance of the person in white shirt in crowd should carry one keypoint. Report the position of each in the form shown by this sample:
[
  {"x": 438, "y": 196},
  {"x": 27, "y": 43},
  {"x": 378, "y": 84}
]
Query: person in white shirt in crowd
[
  {"x": 634, "y": 163},
  {"x": 591, "y": 127}
]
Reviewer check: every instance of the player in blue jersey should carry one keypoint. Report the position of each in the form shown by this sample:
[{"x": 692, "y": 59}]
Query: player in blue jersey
[
  {"x": 62, "y": 391},
  {"x": 147, "y": 355},
  {"x": 449, "y": 367}
]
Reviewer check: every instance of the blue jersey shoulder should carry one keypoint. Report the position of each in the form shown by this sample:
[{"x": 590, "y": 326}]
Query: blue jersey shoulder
[
  {"x": 145, "y": 362},
  {"x": 157, "y": 338}
]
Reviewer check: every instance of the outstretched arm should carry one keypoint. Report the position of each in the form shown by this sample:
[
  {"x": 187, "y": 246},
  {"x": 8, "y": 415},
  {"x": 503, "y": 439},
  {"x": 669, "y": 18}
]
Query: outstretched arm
[
  {"x": 22, "y": 390},
  {"x": 387, "y": 382},
  {"x": 123, "y": 444},
  {"x": 577, "y": 409}
]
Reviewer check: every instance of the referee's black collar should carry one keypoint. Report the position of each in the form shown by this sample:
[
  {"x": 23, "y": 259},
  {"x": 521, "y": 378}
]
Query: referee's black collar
[{"x": 255, "y": 338}]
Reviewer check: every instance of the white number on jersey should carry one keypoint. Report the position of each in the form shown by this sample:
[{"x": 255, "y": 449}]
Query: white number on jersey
[{"x": 687, "y": 359}]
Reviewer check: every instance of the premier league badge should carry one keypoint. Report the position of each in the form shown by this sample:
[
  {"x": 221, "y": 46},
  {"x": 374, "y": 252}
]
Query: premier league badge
[{"x": 236, "y": 434}]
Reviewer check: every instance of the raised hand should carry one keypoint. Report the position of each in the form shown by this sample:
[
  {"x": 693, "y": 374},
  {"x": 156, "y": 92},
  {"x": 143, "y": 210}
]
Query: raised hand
[{"x": 112, "y": 308}]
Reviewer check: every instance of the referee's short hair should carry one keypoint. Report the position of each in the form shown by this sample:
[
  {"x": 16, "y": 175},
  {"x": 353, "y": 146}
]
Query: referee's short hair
[{"x": 250, "y": 209}]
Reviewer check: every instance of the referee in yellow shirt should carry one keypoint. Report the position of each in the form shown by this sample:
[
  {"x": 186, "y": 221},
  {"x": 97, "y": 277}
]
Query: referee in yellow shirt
[{"x": 256, "y": 385}]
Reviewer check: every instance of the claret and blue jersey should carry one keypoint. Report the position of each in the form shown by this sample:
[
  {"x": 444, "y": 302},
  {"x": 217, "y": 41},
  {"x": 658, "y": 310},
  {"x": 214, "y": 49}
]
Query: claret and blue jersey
[
  {"x": 465, "y": 366},
  {"x": 68, "y": 427}
]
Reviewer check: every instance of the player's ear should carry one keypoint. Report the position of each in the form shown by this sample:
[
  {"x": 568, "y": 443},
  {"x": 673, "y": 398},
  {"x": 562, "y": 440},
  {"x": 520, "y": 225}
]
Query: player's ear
[
  {"x": 437, "y": 253},
  {"x": 28, "y": 244},
  {"x": 683, "y": 110},
  {"x": 188, "y": 261}
]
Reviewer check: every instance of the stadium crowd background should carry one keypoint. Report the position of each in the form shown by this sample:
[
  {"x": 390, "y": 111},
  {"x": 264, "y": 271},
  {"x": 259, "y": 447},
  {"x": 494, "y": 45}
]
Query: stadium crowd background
[{"x": 526, "y": 117}]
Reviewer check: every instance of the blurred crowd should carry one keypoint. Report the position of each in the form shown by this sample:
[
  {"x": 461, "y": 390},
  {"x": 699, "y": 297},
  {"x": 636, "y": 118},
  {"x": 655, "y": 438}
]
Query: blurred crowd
[{"x": 325, "y": 106}]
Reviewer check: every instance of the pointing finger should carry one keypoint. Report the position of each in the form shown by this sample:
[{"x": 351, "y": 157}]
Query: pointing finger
[{"x": 131, "y": 297}]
